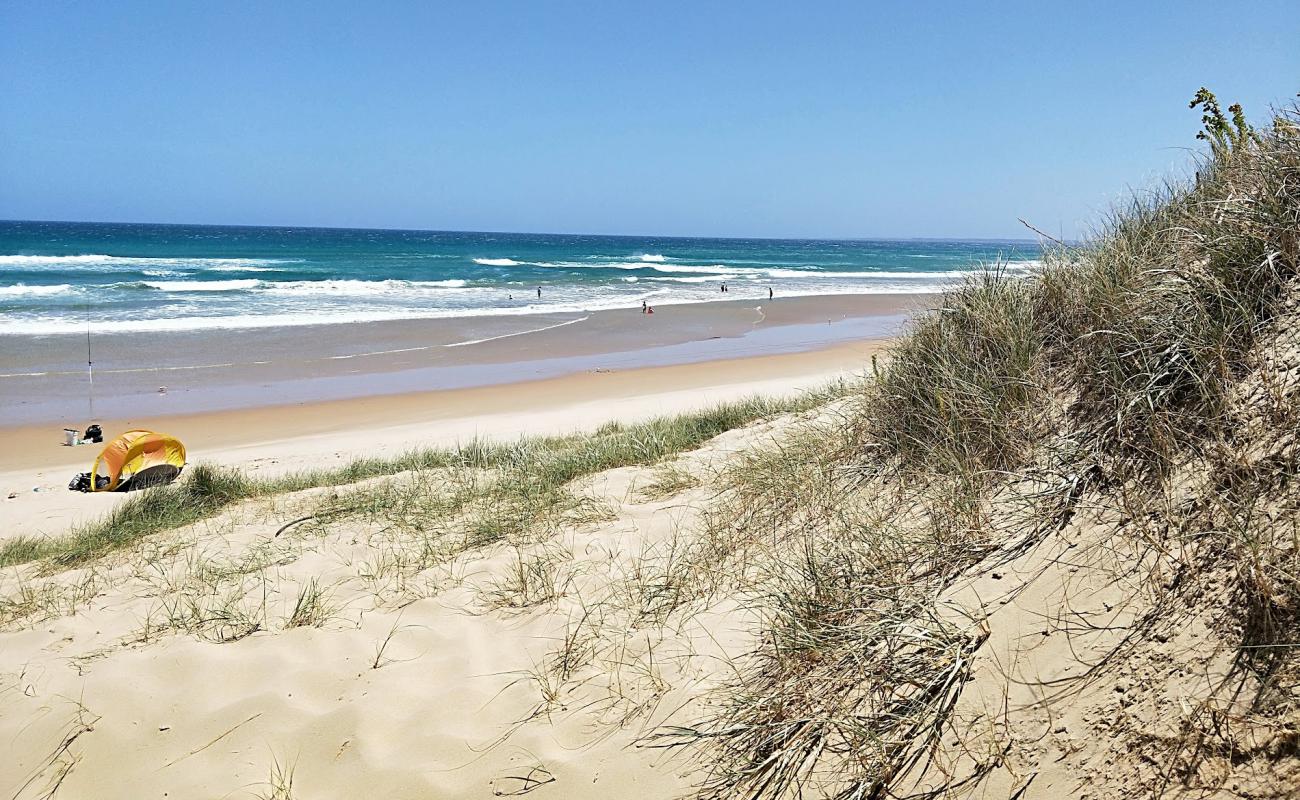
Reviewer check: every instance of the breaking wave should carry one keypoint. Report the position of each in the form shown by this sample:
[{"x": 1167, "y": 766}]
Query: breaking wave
[
  {"x": 21, "y": 290},
  {"x": 358, "y": 288},
  {"x": 203, "y": 286}
]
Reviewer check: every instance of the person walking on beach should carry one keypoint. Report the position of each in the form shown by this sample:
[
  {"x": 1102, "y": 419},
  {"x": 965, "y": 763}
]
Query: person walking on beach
[
  {"x": 769, "y": 293},
  {"x": 643, "y": 306}
]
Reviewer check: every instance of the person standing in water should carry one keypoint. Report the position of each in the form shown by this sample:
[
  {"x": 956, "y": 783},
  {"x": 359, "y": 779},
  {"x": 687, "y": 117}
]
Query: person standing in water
[
  {"x": 539, "y": 293},
  {"x": 769, "y": 293}
]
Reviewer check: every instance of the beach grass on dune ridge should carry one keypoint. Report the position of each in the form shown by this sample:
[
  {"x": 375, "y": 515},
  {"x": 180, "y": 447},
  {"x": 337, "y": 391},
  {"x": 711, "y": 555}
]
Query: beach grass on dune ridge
[
  {"x": 1146, "y": 375},
  {"x": 549, "y": 462}
]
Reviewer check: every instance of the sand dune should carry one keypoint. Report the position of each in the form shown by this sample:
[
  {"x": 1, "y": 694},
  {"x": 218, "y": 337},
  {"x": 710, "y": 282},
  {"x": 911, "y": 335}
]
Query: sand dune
[{"x": 180, "y": 669}]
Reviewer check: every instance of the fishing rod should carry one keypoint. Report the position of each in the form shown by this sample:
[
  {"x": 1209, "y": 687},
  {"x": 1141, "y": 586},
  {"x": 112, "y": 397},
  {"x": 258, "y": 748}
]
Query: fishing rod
[{"x": 90, "y": 367}]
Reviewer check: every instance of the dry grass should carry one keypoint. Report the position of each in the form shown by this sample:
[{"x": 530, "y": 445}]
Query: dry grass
[{"x": 1125, "y": 375}]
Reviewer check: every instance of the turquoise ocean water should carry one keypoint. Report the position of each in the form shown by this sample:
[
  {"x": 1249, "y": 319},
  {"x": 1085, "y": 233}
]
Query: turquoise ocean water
[{"x": 57, "y": 276}]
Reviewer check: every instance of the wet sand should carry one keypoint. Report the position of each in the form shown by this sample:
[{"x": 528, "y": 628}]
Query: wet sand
[{"x": 44, "y": 380}]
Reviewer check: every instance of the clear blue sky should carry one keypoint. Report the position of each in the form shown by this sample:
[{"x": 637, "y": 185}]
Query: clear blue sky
[{"x": 850, "y": 119}]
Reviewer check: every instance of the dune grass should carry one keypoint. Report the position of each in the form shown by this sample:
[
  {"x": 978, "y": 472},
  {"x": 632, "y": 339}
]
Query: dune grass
[
  {"x": 539, "y": 468},
  {"x": 1123, "y": 372}
]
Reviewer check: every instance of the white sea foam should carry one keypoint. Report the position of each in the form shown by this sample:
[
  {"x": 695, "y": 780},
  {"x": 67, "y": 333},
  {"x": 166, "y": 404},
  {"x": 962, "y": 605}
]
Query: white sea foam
[
  {"x": 696, "y": 279},
  {"x": 46, "y": 261},
  {"x": 23, "y": 290},
  {"x": 498, "y": 262},
  {"x": 204, "y": 286},
  {"x": 357, "y": 288},
  {"x": 653, "y": 258},
  {"x": 818, "y": 275},
  {"x": 236, "y": 268},
  {"x": 716, "y": 269}
]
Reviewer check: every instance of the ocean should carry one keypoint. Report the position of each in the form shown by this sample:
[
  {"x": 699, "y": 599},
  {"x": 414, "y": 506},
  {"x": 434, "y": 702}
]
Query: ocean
[{"x": 61, "y": 277}]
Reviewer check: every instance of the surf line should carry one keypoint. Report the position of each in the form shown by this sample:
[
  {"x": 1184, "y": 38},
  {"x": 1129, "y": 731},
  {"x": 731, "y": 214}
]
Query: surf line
[
  {"x": 135, "y": 369},
  {"x": 519, "y": 333}
]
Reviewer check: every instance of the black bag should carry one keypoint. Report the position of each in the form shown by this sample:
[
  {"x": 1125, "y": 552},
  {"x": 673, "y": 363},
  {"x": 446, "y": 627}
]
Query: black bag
[{"x": 81, "y": 483}]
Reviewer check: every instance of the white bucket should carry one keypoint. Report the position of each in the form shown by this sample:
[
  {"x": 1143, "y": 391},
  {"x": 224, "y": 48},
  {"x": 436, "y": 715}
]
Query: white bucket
[{"x": 70, "y": 437}]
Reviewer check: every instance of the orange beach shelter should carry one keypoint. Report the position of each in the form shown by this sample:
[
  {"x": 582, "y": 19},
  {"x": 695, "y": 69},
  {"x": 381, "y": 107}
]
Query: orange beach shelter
[{"x": 142, "y": 458}]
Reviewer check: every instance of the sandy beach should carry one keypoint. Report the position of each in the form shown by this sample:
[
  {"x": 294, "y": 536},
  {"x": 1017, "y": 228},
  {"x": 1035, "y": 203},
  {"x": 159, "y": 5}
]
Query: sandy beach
[
  {"x": 560, "y": 380},
  {"x": 474, "y": 730}
]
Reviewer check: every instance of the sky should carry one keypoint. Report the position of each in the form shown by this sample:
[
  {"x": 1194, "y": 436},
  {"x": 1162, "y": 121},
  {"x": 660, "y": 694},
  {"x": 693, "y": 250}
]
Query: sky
[{"x": 821, "y": 120}]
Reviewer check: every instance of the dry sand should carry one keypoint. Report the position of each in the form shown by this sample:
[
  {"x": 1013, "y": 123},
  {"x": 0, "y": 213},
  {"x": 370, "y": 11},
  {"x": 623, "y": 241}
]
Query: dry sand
[
  {"x": 175, "y": 669},
  {"x": 402, "y": 692}
]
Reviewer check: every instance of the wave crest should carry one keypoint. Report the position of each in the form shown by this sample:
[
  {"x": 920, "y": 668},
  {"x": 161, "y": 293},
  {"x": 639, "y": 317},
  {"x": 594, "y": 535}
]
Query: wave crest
[
  {"x": 203, "y": 286},
  {"x": 23, "y": 290},
  {"x": 357, "y": 288}
]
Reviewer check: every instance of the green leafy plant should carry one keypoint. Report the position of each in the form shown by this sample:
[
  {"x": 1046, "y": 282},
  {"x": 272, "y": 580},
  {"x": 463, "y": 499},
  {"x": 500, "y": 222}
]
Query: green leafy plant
[{"x": 1223, "y": 136}]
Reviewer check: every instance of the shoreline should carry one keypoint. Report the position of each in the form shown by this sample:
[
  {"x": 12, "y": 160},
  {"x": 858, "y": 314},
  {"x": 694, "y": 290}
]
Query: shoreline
[
  {"x": 43, "y": 380},
  {"x": 266, "y": 440}
]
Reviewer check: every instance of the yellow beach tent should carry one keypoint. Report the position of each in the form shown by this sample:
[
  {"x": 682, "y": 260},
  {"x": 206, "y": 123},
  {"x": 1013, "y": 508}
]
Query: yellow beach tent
[{"x": 137, "y": 459}]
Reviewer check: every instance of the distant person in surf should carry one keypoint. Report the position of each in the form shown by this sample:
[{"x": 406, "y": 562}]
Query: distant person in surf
[
  {"x": 539, "y": 293},
  {"x": 769, "y": 293},
  {"x": 643, "y": 306}
]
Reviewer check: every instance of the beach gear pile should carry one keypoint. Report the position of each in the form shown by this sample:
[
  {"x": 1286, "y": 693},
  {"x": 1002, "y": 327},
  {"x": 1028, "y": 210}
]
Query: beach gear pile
[{"x": 135, "y": 460}]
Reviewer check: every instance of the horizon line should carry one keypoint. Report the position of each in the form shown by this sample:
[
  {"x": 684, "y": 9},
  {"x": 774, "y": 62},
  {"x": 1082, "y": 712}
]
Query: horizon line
[{"x": 538, "y": 233}]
